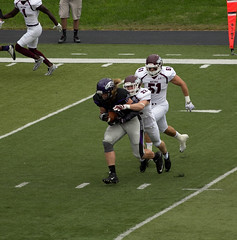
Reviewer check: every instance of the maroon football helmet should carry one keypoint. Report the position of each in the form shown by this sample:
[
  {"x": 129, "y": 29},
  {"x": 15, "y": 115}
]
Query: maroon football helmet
[
  {"x": 134, "y": 82},
  {"x": 154, "y": 64}
]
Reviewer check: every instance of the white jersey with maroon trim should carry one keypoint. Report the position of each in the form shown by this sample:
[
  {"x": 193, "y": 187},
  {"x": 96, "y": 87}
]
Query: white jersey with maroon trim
[
  {"x": 28, "y": 10},
  {"x": 146, "y": 114},
  {"x": 157, "y": 85}
]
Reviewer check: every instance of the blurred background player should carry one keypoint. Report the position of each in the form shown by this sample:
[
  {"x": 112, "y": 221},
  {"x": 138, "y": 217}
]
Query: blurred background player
[
  {"x": 64, "y": 12},
  {"x": 107, "y": 96},
  {"x": 10, "y": 49},
  {"x": 156, "y": 77},
  {"x": 30, "y": 11}
]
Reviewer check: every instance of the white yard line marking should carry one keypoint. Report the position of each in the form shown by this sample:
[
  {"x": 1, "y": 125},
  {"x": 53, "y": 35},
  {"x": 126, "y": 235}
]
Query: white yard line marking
[
  {"x": 80, "y": 54},
  {"x": 203, "y": 111},
  {"x": 121, "y": 236},
  {"x": 107, "y": 64},
  {"x": 126, "y": 60},
  {"x": 221, "y": 55},
  {"x": 205, "y": 66},
  {"x": 45, "y": 117},
  {"x": 11, "y": 64},
  {"x": 21, "y": 185},
  {"x": 82, "y": 185},
  {"x": 195, "y": 189},
  {"x": 143, "y": 186},
  {"x": 126, "y": 54},
  {"x": 173, "y": 54}
]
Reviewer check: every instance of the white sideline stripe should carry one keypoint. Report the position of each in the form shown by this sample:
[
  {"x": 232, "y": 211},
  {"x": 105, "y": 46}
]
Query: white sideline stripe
[
  {"x": 203, "y": 111},
  {"x": 173, "y": 54},
  {"x": 121, "y": 236},
  {"x": 195, "y": 189},
  {"x": 107, "y": 64},
  {"x": 21, "y": 185},
  {"x": 205, "y": 66},
  {"x": 45, "y": 117},
  {"x": 143, "y": 186},
  {"x": 125, "y": 60},
  {"x": 82, "y": 185},
  {"x": 126, "y": 54}
]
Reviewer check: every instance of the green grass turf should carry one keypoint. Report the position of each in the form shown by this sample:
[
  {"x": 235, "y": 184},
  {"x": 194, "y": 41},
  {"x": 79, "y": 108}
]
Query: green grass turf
[
  {"x": 59, "y": 153},
  {"x": 136, "y": 15}
]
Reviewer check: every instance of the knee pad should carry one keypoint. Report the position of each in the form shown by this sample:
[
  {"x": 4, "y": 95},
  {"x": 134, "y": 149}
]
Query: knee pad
[{"x": 108, "y": 147}]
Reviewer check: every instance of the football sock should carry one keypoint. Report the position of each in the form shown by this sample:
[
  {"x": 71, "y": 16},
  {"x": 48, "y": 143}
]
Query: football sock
[
  {"x": 5, "y": 48},
  {"x": 25, "y": 51},
  {"x": 112, "y": 169},
  {"x": 75, "y": 32},
  {"x": 37, "y": 52},
  {"x": 64, "y": 32},
  {"x": 166, "y": 155}
]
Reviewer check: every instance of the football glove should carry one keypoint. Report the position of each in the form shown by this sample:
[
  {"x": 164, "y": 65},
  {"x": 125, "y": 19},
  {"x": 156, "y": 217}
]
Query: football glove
[
  {"x": 121, "y": 107},
  {"x": 189, "y": 106},
  {"x": 1, "y": 23},
  {"x": 104, "y": 117},
  {"x": 58, "y": 27}
]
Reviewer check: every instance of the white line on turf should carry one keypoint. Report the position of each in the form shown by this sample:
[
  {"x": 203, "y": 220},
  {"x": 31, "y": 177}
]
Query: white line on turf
[
  {"x": 203, "y": 111},
  {"x": 21, "y": 185},
  {"x": 195, "y": 189},
  {"x": 45, "y": 117},
  {"x": 126, "y": 60},
  {"x": 107, "y": 64},
  {"x": 11, "y": 64},
  {"x": 82, "y": 185},
  {"x": 121, "y": 236},
  {"x": 143, "y": 186},
  {"x": 205, "y": 66}
]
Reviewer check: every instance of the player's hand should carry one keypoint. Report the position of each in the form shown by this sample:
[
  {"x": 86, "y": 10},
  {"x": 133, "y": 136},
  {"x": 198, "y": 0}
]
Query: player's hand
[
  {"x": 104, "y": 117},
  {"x": 1, "y": 23},
  {"x": 121, "y": 107},
  {"x": 189, "y": 106},
  {"x": 58, "y": 27}
]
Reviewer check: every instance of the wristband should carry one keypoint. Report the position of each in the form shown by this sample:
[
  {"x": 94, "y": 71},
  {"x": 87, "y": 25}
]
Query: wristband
[
  {"x": 126, "y": 106},
  {"x": 187, "y": 99}
]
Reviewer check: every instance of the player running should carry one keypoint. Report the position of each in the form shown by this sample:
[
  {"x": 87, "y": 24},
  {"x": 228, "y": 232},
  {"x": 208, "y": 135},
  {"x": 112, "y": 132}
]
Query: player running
[
  {"x": 156, "y": 77},
  {"x": 30, "y": 11}
]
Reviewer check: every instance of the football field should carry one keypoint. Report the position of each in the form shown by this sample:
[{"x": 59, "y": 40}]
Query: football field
[{"x": 52, "y": 160}]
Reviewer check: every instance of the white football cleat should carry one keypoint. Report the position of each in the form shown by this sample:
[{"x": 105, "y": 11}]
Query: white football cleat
[
  {"x": 50, "y": 70},
  {"x": 183, "y": 138},
  {"x": 38, "y": 63},
  {"x": 11, "y": 51}
]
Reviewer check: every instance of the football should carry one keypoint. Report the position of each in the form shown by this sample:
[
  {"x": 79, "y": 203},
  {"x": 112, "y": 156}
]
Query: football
[{"x": 112, "y": 116}]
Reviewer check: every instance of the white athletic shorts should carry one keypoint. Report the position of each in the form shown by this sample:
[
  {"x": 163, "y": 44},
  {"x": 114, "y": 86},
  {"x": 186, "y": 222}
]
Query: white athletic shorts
[
  {"x": 159, "y": 112},
  {"x": 31, "y": 37},
  {"x": 66, "y": 5}
]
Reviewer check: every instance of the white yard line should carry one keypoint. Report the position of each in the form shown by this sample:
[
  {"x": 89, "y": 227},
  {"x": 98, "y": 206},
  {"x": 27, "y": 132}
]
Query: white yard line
[
  {"x": 125, "y": 60},
  {"x": 21, "y": 185},
  {"x": 143, "y": 186},
  {"x": 121, "y": 236},
  {"x": 203, "y": 111},
  {"x": 82, "y": 185},
  {"x": 45, "y": 117}
]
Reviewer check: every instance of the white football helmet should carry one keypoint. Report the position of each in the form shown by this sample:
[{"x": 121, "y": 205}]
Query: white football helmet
[
  {"x": 132, "y": 84},
  {"x": 154, "y": 64}
]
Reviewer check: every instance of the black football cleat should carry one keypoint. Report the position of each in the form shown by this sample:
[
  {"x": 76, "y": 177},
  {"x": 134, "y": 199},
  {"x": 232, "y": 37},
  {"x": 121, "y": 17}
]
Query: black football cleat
[
  {"x": 62, "y": 39},
  {"x": 76, "y": 39},
  {"x": 167, "y": 163},
  {"x": 143, "y": 165},
  {"x": 158, "y": 160},
  {"x": 112, "y": 178}
]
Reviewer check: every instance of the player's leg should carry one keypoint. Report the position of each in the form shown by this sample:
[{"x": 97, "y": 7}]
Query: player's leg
[
  {"x": 64, "y": 13},
  {"x": 111, "y": 136},
  {"x": 10, "y": 49}
]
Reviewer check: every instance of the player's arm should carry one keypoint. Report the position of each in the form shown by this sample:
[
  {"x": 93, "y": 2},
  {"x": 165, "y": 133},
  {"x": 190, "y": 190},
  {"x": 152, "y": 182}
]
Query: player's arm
[
  {"x": 45, "y": 10},
  {"x": 179, "y": 82},
  {"x": 134, "y": 107},
  {"x": 11, "y": 14}
]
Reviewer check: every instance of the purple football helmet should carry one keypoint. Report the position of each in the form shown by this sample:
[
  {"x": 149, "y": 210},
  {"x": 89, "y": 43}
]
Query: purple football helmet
[{"x": 105, "y": 85}]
